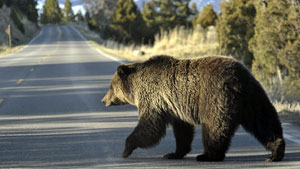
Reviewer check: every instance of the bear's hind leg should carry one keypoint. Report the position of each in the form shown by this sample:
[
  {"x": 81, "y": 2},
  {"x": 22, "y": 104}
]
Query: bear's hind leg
[
  {"x": 277, "y": 148},
  {"x": 268, "y": 131},
  {"x": 215, "y": 143},
  {"x": 184, "y": 134}
]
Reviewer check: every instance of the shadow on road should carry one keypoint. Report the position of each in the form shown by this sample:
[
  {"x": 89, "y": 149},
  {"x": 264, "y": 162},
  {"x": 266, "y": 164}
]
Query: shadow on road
[
  {"x": 55, "y": 117},
  {"x": 57, "y": 89}
]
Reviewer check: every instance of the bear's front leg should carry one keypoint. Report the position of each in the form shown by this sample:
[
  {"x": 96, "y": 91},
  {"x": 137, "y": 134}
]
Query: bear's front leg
[
  {"x": 129, "y": 146},
  {"x": 184, "y": 134},
  {"x": 150, "y": 129}
]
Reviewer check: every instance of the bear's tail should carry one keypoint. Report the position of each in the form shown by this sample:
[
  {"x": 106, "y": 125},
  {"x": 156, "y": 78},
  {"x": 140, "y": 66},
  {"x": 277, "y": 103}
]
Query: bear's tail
[{"x": 261, "y": 120}]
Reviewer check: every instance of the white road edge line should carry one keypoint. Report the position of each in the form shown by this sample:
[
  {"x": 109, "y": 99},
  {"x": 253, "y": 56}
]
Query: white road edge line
[
  {"x": 292, "y": 138},
  {"x": 34, "y": 38},
  {"x": 98, "y": 50}
]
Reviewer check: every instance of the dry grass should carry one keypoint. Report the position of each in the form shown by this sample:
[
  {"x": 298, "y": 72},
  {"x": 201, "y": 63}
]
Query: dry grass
[
  {"x": 4, "y": 49},
  {"x": 179, "y": 43},
  {"x": 288, "y": 112},
  {"x": 286, "y": 106}
]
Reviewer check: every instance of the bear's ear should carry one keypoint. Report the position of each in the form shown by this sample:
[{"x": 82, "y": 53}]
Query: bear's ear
[{"x": 125, "y": 70}]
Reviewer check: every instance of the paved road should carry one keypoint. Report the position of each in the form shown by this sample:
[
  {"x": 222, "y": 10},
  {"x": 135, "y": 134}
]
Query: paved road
[{"x": 51, "y": 115}]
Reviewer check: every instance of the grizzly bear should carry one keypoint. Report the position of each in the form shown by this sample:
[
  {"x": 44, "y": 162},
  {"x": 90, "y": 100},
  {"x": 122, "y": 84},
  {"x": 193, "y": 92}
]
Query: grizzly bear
[{"x": 218, "y": 93}]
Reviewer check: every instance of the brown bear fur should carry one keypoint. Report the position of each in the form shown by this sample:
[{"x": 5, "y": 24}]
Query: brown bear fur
[{"x": 218, "y": 93}]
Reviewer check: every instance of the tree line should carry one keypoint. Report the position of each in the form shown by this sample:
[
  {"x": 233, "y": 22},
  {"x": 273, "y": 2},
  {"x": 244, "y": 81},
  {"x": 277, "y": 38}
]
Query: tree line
[
  {"x": 52, "y": 14},
  {"x": 265, "y": 35},
  {"x": 129, "y": 24}
]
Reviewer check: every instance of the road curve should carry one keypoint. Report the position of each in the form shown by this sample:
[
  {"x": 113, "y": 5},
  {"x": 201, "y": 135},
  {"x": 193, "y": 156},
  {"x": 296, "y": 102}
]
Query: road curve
[{"x": 51, "y": 115}]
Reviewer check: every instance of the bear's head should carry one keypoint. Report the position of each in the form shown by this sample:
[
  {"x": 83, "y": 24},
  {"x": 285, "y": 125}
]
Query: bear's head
[{"x": 119, "y": 92}]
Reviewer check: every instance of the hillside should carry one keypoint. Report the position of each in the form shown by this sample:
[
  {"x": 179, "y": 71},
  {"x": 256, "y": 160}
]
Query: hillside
[{"x": 30, "y": 28}]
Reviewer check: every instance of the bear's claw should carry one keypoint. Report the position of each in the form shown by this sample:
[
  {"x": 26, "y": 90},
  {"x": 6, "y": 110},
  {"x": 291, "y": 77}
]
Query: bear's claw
[{"x": 127, "y": 153}]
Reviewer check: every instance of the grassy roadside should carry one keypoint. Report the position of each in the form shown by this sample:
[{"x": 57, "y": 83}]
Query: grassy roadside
[
  {"x": 288, "y": 112},
  {"x": 4, "y": 50},
  {"x": 181, "y": 43}
]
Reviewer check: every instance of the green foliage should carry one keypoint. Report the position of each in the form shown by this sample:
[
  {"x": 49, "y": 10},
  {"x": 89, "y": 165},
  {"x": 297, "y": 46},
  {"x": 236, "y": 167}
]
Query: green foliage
[
  {"x": 87, "y": 16},
  {"x": 68, "y": 12},
  {"x": 79, "y": 16},
  {"x": 172, "y": 13},
  {"x": 149, "y": 14},
  {"x": 14, "y": 16},
  {"x": 2, "y": 3},
  {"x": 235, "y": 28},
  {"x": 165, "y": 15},
  {"x": 182, "y": 12},
  {"x": 92, "y": 21},
  {"x": 30, "y": 10},
  {"x": 27, "y": 7},
  {"x": 208, "y": 17},
  {"x": 126, "y": 23},
  {"x": 93, "y": 24},
  {"x": 276, "y": 44},
  {"x": 51, "y": 12},
  {"x": 195, "y": 14}
]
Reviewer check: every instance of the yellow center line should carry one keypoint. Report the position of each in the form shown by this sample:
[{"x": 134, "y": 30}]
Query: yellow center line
[
  {"x": 44, "y": 57},
  {"x": 20, "y": 81},
  {"x": 59, "y": 33},
  {"x": 1, "y": 101}
]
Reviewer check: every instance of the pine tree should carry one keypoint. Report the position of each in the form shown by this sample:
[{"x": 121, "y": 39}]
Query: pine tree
[
  {"x": 208, "y": 17},
  {"x": 127, "y": 22},
  {"x": 235, "y": 28},
  {"x": 32, "y": 12},
  {"x": 87, "y": 16},
  {"x": 172, "y": 13},
  {"x": 27, "y": 7},
  {"x": 51, "y": 12},
  {"x": 182, "y": 12},
  {"x": 276, "y": 47},
  {"x": 165, "y": 16},
  {"x": 195, "y": 13},
  {"x": 79, "y": 17},
  {"x": 68, "y": 12},
  {"x": 149, "y": 14}
]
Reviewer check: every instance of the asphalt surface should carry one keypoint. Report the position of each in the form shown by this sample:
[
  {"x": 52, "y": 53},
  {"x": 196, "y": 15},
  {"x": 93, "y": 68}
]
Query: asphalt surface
[{"x": 51, "y": 115}]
